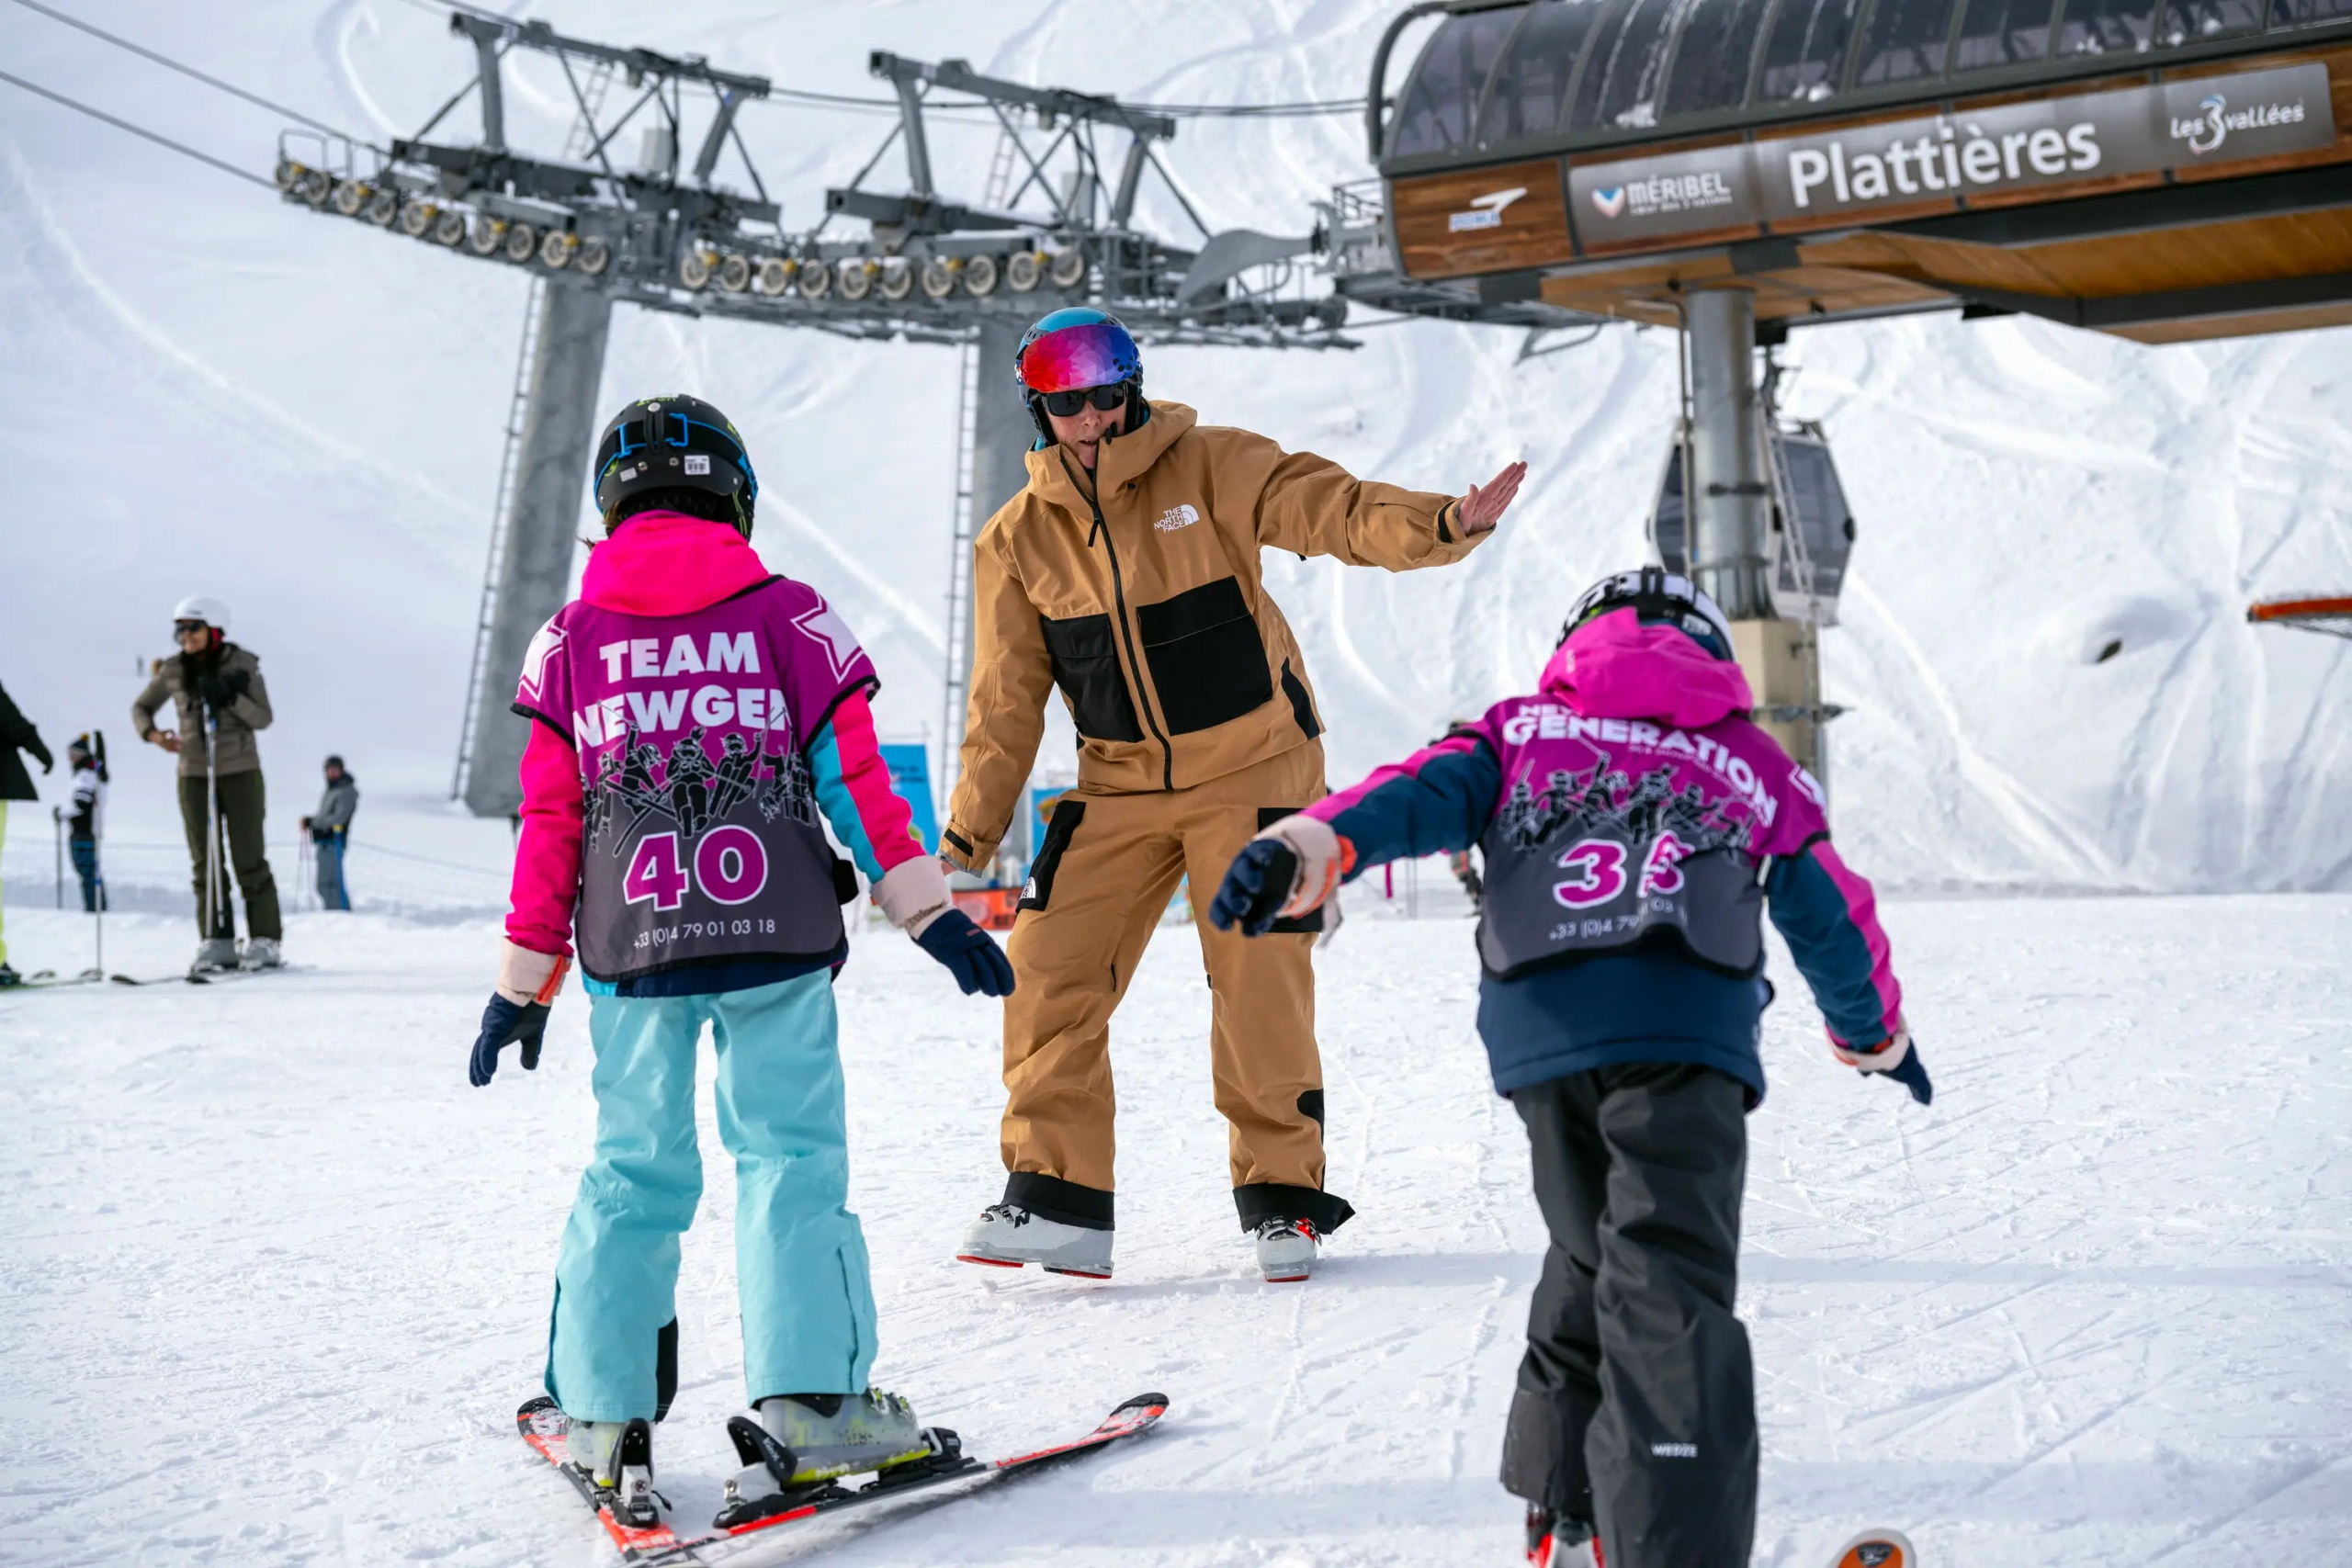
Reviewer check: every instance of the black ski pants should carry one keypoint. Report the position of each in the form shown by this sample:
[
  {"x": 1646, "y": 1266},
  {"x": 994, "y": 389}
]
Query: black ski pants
[
  {"x": 243, "y": 804},
  {"x": 1636, "y": 1402}
]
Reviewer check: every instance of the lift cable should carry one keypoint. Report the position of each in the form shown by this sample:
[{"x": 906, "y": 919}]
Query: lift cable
[
  {"x": 180, "y": 147},
  {"x": 190, "y": 71}
]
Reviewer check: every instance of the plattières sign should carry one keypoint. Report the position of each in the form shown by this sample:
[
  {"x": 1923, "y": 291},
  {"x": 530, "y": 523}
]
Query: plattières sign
[{"x": 2172, "y": 125}]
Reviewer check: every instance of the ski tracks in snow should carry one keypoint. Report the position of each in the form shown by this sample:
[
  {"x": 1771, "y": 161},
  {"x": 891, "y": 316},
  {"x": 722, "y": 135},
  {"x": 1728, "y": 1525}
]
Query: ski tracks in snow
[{"x": 2083, "y": 1313}]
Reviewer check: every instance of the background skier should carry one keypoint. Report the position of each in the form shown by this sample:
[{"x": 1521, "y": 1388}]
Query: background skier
[
  {"x": 329, "y": 831},
  {"x": 213, "y": 676},
  {"x": 735, "y": 922},
  {"x": 17, "y": 733},
  {"x": 1127, "y": 572},
  {"x": 1625, "y": 813},
  {"x": 87, "y": 757}
]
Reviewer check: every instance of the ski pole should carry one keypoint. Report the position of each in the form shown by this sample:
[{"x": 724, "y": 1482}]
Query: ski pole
[
  {"x": 57, "y": 820},
  {"x": 211, "y": 824}
]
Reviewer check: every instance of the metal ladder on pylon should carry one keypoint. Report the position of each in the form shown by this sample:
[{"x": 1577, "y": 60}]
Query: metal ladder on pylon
[
  {"x": 576, "y": 145},
  {"x": 959, "y": 571},
  {"x": 517, "y": 407},
  {"x": 1000, "y": 180}
]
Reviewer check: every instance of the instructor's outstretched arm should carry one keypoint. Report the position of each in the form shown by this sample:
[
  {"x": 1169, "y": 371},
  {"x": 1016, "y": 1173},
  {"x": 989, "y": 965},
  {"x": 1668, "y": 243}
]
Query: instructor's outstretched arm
[{"x": 1312, "y": 506}]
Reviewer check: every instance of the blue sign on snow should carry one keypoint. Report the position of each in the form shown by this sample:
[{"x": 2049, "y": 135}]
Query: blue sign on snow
[{"x": 909, "y": 766}]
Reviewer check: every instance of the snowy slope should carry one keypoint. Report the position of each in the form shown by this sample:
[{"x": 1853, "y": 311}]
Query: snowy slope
[
  {"x": 208, "y": 391},
  {"x": 275, "y": 1276}
]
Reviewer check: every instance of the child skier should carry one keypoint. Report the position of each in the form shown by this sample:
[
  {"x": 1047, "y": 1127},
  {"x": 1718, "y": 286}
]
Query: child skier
[
  {"x": 692, "y": 716},
  {"x": 1633, "y": 822},
  {"x": 86, "y": 755}
]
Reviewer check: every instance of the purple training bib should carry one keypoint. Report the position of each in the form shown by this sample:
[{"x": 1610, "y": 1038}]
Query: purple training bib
[
  {"x": 1612, "y": 832},
  {"x": 701, "y": 840}
]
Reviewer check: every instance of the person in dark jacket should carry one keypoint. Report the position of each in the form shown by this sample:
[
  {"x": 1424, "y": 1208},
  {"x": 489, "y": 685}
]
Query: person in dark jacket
[
  {"x": 330, "y": 829},
  {"x": 1634, "y": 823},
  {"x": 86, "y": 757},
  {"x": 17, "y": 733},
  {"x": 213, "y": 677}
]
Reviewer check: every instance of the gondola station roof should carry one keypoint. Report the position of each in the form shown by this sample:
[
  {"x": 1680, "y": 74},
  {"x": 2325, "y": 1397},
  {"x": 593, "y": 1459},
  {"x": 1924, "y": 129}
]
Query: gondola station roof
[{"x": 2163, "y": 169}]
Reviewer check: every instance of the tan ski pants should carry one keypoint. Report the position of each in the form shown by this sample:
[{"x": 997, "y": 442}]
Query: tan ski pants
[{"x": 1103, "y": 875}]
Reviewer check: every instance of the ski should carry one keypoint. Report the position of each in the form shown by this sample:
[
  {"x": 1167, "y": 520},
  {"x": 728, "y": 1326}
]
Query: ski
[
  {"x": 49, "y": 980},
  {"x": 1877, "y": 1549},
  {"x": 545, "y": 1427},
  {"x": 224, "y": 977}
]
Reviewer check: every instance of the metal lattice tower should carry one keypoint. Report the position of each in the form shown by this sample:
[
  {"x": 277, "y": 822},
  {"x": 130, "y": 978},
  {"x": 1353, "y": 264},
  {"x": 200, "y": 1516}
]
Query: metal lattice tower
[{"x": 1056, "y": 225}]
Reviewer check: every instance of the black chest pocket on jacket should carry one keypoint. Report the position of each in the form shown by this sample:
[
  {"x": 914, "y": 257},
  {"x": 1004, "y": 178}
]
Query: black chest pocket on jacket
[
  {"x": 1086, "y": 667},
  {"x": 1207, "y": 660}
]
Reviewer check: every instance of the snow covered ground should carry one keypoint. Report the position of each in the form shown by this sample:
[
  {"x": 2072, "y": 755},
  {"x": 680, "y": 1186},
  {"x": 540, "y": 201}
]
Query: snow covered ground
[{"x": 274, "y": 1277}]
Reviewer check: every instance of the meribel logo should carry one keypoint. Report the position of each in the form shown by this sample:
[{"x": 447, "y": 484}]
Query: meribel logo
[
  {"x": 2205, "y": 133},
  {"x": 1662, "y": 194}
]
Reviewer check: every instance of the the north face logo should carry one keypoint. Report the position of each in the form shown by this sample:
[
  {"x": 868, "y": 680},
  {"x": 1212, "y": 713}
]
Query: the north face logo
[{"x": 1177, "y": 517}]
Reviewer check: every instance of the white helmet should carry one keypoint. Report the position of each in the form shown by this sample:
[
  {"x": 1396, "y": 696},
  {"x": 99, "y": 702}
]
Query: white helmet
[
  {"x": 213, "y": 613},
  {"x": 1656, "y": 595}
]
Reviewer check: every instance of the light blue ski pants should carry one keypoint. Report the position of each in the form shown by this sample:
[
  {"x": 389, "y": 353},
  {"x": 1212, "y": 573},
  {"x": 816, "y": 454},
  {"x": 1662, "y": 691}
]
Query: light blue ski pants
[{"x": 799, "y": 1256}]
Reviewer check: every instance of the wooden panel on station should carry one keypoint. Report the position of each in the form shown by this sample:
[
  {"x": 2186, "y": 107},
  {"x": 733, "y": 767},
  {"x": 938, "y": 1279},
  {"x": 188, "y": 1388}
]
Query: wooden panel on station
[
  {"x": 2252, "y": 250},
  {"x": 2253, "y": 323},
  {"x": 1653, "y": 294},
  {"x": 1528, "y": 230}
]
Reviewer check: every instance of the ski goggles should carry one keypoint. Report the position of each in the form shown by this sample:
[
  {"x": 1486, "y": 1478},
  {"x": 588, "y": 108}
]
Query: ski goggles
[
  {"x": 181, "y": 628},
  {"x": 678, "y": 432},
  {"x": 1094, "y": 355},
  {"x": 1064, "y": 405}
]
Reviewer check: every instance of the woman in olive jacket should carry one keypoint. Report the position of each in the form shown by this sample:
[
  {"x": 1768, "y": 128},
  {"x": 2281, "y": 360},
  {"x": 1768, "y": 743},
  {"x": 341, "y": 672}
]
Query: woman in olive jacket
[{"x": 213, "y": 676}]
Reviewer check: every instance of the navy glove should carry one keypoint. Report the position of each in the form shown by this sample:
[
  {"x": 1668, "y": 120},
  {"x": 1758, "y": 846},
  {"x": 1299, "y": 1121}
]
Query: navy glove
[
  {"x": 970, "y": 952},
  {"x": 502, "y": 1023},
  {"x": 1913, "y": 1074},
  {"x": 1910, "y": 1072},
  {"x": 1256, "y": 887}
]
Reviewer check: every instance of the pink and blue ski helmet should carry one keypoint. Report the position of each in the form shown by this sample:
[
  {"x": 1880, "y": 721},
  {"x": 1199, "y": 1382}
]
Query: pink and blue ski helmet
[{"x": 1075, "y": 348}]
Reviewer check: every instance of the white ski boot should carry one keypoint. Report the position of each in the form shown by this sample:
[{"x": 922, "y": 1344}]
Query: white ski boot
[
  {"x": 1286, "y": 1249},
  {"x": 795, "y": 1443},
  {"x": 1559, "y": 1541},
  {"x": 213, "y": 955},
  {"x": 618, "y": 1457},
  {"x": 1009, "y": 1236},
  {"x": 261, "y": 953}
]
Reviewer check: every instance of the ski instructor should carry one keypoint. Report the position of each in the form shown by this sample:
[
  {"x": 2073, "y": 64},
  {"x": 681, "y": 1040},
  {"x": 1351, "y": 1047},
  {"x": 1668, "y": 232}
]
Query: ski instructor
[{"x": 1127, "y": 573}]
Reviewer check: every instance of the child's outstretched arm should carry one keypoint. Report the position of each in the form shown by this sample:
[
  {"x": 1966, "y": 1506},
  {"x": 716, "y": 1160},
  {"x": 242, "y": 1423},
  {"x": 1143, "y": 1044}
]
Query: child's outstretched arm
[
  {"x": 1436, "y": 800},
  {"x": 1829, "y": 918},
  {"x": 877, "y": 828},
  {"x": 545, "y": 890}
]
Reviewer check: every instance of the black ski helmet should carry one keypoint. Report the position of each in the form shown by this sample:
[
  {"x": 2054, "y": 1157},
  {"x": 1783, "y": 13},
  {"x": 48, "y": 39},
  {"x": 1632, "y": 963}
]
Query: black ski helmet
[{"x": 674, "y": 442}]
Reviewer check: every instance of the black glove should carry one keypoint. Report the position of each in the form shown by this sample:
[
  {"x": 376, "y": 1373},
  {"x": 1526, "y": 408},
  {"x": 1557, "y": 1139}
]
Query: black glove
[
  {"x": 1911, "y": 1073},
  {"x": 215, "y": 691},
  {"x": 502, "y": 1023},
  {"x": 46, "y": 762},
  {"x": 970, "y": 952},
  {"x": 1256, "y": 885}
]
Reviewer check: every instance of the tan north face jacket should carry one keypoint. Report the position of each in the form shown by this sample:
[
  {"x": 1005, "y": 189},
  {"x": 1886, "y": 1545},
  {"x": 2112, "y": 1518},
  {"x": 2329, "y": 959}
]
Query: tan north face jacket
[{"x": 1149, "y": 611}]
